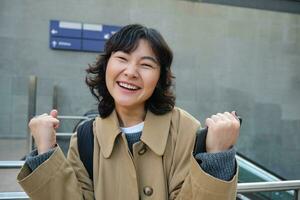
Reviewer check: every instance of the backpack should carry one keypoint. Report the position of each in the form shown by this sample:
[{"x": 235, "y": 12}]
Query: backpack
[{"x": 85, "y": 142}]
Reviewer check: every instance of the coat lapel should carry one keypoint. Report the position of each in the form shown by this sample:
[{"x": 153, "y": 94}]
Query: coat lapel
[
  {"x": 154, "y": 135},
  {"x": 107, "y": 129},
  {"x": 156, "y": 131}
]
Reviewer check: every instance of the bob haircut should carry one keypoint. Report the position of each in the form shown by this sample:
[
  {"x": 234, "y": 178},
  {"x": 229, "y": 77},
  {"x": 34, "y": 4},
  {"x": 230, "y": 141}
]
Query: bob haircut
[{"x": 126, "y": 40}]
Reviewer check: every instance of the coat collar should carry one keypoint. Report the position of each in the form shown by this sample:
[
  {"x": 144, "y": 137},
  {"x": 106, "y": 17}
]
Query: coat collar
[{"x": 154, "y": 135}]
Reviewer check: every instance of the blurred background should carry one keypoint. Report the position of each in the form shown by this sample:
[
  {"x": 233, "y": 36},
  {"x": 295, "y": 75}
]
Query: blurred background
[{"x": 228, "y": 55}]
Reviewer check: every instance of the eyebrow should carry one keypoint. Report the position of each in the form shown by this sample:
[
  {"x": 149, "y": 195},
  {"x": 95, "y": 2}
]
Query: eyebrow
[{"x": 150, "y": 58}]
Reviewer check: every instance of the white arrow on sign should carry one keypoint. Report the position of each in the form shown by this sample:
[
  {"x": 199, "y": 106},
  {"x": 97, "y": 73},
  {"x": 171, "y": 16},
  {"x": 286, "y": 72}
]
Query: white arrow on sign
[
  {"x": 53, "y": 31},
  {"x": 54, "y": 43},
  {"x": 106, "y": 36}
]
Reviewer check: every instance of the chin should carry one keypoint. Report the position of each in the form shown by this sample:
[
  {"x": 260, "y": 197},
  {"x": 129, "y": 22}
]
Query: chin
[{"x": 127, "y": 104}]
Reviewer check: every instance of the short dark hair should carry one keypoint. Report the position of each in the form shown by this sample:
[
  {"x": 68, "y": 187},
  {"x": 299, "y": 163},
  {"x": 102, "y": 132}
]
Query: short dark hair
[{"x": 126, "y": 40}]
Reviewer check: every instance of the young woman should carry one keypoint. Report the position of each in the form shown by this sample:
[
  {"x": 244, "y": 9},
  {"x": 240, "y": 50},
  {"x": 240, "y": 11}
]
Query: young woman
[{"x": 142, "y": 143}]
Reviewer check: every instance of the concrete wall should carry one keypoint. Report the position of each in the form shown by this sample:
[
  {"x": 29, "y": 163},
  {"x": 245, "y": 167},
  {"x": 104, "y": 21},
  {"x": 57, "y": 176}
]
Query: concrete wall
[{"x": 226, "y": 58}]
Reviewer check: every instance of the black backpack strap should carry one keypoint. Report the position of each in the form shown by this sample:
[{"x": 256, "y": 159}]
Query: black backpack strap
[
  {"x": 85, "y": 142},
  {"x": 200, "y": 143}
]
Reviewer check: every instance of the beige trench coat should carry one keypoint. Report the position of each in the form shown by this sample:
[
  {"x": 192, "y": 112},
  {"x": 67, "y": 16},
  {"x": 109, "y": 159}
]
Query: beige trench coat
[{"x": 161, "y": 167}]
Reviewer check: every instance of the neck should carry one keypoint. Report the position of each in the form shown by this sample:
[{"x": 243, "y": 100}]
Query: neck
[{"x": 130, "y": 117}]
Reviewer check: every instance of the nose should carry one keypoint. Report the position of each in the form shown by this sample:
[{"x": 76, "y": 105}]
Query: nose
[{"x": 131, "y": 71}]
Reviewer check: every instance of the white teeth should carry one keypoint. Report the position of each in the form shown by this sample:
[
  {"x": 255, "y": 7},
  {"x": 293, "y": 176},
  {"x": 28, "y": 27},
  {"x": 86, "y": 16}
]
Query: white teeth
[{"x": 125, "y": 85}]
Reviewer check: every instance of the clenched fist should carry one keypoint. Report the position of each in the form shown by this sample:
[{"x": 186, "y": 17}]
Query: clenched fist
[
  {"x": 42, "y": 128},
  {"x": 223, "y": 131}
]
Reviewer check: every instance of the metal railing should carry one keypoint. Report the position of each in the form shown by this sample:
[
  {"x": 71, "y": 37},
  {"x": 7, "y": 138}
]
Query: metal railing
[
  {"x": 13, "y": 195},
  {"x": 61, "y": 134},
  {"x": 72, "y": 117},
  {"x": 269, "y": 186},
  {"x": 68, "y": 134},
  {"x": 241, "y": 188},
  {"x": 32, "y": 97},
  {"x": 11, "y": 164},
  {"x": 273, "y": 186},
  {"x": 31, "y": 107}
]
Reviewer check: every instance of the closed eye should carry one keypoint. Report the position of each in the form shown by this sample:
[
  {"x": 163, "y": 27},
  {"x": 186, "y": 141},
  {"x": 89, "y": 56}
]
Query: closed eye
[
  {"x": 147, "y": 65},
  {"x": 121, "y": 58}
]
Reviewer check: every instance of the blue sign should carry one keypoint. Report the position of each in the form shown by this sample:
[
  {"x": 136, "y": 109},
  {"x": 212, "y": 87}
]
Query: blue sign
[
  {"x": 80, "y": 37},
  {"x": 92, "y": 31},
  {"x": 65, "y": 29},
  {"x": 99, "y": 32},
  {"x": 111, "y": 29},
  {"x": 93, "y": 45},
  {"x": 65, "y": 43}
]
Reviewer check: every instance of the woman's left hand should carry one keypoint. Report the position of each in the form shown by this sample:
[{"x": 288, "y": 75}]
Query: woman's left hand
[{"x": 223, "y": 131}]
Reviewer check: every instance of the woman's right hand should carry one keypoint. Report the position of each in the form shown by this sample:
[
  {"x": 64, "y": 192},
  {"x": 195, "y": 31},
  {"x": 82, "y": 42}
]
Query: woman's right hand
[{"x": 42, "y": 129}]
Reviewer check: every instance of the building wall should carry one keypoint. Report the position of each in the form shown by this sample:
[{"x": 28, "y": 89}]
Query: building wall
[{"x": 226, "y": 58}]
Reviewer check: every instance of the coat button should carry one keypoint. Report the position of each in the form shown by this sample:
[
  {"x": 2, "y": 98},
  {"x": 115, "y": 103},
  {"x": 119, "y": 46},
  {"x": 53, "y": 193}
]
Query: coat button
[
  {"x": 148, "y": 191},
  {"x": 143, "y": 150}
]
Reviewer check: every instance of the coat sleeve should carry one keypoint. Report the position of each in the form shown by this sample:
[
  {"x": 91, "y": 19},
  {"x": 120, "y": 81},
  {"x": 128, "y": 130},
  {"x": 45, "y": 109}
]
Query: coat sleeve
[
  {"x": 187, "y": 181},
  {"x": 58, "y": 177}
]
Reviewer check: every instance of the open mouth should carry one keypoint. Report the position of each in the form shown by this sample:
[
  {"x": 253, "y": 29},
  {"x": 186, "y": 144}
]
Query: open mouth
[{"x": 128, "y": 86}]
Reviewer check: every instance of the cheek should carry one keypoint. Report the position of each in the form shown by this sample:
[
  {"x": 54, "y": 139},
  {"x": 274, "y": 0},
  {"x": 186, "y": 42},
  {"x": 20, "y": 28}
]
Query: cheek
[
  {"x": 109, "y": 79},
  {"x": 109, "y": 72},
  {"x": 113, "y": 69},
  {"x": 153, "y": 83}
]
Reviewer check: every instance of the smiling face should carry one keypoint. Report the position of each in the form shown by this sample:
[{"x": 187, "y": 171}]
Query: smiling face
[{"x": 132, "y": 77}]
